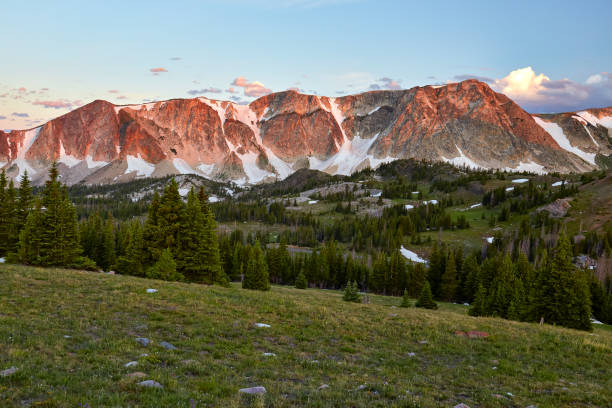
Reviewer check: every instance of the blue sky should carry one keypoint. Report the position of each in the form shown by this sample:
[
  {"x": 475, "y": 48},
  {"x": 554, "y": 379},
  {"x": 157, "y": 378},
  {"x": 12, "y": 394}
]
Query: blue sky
[{"x": 56, "y": 56}]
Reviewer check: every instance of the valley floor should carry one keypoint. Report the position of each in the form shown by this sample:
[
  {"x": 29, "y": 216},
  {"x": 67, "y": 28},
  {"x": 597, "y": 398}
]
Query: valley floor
[{"x": 69, "y": 335}]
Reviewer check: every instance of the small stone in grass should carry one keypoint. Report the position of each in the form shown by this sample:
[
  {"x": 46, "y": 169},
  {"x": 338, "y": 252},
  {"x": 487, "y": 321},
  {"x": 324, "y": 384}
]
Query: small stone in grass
[
  {"x": 323, "y": 386},
  {"x": 137, "y": 374},
  {"x": 262, "y": 325},
  {"x": 151, "y": 290},
  {"x": 143, "y": 341},
  {"x": 131, "y": 364},
  {"x": 461, "y": 405},
  {"x": 422, "y": 341},
  {"x": 269, "y": 355},
  {"x": 252, "y": 390},
  {"x": 361, "y": 387},
  {"x": 411, "y": 354},
  {"x": 167, "y": 345},
  {"x": 8, "y": 371},
  {"x": 150, "y": 384}
]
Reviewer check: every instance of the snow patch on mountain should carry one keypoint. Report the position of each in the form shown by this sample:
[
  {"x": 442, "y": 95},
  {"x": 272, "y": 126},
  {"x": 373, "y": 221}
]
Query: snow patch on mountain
[
  {"x": 530, "y": 167},
  {"x": 182, "y": 167},
  {"x": 207, "y": 169},
  {"x": 557, "y": 133},
  {"x": 412, "y": 256},
  {"x": 139, "y": 165},
  {"x": 67, "y": 159},
  {"x": 350, "y": 155},
  {"x": 91, "y": 163},
  {"x": 606, "y": 121},
  {"x": 462, "y": 160}
]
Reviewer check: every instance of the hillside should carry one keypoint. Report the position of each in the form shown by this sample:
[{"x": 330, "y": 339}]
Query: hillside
[
  {"x": 74, "y": 352},
  {"x": 464, "y": 123}
]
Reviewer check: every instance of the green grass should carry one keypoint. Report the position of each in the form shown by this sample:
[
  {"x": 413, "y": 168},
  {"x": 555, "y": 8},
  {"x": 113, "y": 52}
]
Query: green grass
[{"x": 318, "y": 339}]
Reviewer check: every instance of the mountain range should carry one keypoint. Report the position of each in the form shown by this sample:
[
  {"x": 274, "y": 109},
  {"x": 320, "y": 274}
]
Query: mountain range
[{"x": 464, "y": 123}]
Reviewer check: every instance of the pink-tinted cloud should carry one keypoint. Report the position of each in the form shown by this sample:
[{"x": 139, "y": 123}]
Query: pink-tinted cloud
[
  {"x": 539, "y": 93},
  {"x": 204, "y": 91},
  {"x": 386, "y": 83},
  {"x": 295, "y": 88},
  {"x": 57, "y": 104},
  {"x": 157, "y": 71},
  {"x": 113, "y": 91},
  {"x": 122, "y": 97},
  {"x": 254, "y": 89},
  {"x": 231, "y": 90}
]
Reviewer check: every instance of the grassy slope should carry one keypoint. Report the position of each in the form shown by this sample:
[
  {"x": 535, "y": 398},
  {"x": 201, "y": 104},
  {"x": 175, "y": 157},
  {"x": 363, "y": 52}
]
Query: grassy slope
[{"x": 317, "y": 338}]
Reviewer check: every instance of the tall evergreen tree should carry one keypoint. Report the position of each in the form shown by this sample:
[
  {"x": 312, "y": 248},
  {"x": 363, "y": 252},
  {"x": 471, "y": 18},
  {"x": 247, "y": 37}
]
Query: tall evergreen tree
[
  {"x": 300, "y": 281},
  {"x": 425, "y": 300},
  {"x": 561, "y": 292},
  {"x": 256, "y": 271},
  {"x": 449, "y": 282}
]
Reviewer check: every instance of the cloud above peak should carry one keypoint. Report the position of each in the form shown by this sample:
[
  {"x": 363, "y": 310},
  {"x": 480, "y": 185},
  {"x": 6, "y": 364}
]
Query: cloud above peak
[
  {"x": 539, "y": 93},
  {"x": 254, "y": 89}
]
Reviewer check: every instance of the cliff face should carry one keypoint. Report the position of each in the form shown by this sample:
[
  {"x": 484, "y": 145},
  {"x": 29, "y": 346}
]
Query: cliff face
[{"x": 464, "y": 123}]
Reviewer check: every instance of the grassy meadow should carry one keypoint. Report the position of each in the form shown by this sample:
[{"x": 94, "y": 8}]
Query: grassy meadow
[{"x": 70, "y": 334}]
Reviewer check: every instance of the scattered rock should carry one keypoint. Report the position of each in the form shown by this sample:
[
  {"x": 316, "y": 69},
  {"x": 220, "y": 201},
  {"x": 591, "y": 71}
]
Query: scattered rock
[
  {"x": 494, "y": 368},
  {"x": 361, "y": 387},
  {"x": 269, "y": 355},
  {"x": 422, "y": 341},
  {"x": 411, "y": 354},
  {"x": 150, "y": 384},
  {"x": 498, "y": 396},
  {"x": 323, "y": 386},
  {"x": 253, "y": 390},
  {"x": 143, "y": 341},
  {"x": 144, "y": 355},
  {"x": 137, "y": 374},
  {"x": 8, "y": 371},
  {"x": 262, "y": 325},
  {"x": 151, "y": 290},
  {"x": 131, "y": 364},
  {"x": 462, "y": 405},
  {"x": 167, "y": 345},
  {"x": 510, "y": 394},
  {"x": 67, "y": 336},
  {"x": 393, "y": 314}
]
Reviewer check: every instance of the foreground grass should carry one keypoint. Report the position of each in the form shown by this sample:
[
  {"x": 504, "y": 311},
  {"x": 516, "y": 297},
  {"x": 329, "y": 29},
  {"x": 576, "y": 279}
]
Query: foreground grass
[{"x": 70, "y": 333}]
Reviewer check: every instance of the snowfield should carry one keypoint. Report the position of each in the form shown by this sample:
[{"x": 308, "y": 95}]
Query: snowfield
[
  {"x": 139, "y": 165},
  {"x": 411, "y": 256},
  {"x": 462, "y": 160},
  {"x": 557, "y": 133}
]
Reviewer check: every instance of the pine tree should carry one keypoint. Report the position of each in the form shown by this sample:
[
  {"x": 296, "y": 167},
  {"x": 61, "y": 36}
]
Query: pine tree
[
  {"x": 165, "y": 268},
  {"x": 502, "y": 291},
  {"x": 426, "y": 299},
  {"x": 108, "y": 258},
  {"x": 300, "y": 281},
  {"x": 351, "y": 293},
  {"x": 151, "y": 233},
  {"x": 29, "y": 251},
  {"x": 561, "y": 293},
  {"x": 449, "y": 282},
  {"x": 471, "y": 272},
  {"x": 478, "y": 306},
  {"x": 26, "y": 200},
  {"x": 8, "y": 216},
  {"x": 406, "y": 301},
  {"x": 256, "y": 271},
  {"x": 59, "y": 238},
  {"x": 237, "y": 264},
  {"x": 189, "y": 259},
  {"x": 210, "y": 256},
  {"x": 131, "y": 263}
]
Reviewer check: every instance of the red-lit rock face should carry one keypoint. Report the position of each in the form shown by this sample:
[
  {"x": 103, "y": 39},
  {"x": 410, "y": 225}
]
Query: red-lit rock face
[{"x": 280, "y": 132}]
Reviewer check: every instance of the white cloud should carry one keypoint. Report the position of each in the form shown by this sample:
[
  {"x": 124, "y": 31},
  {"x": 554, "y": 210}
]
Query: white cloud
[{"x": 538, "y": 93}]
